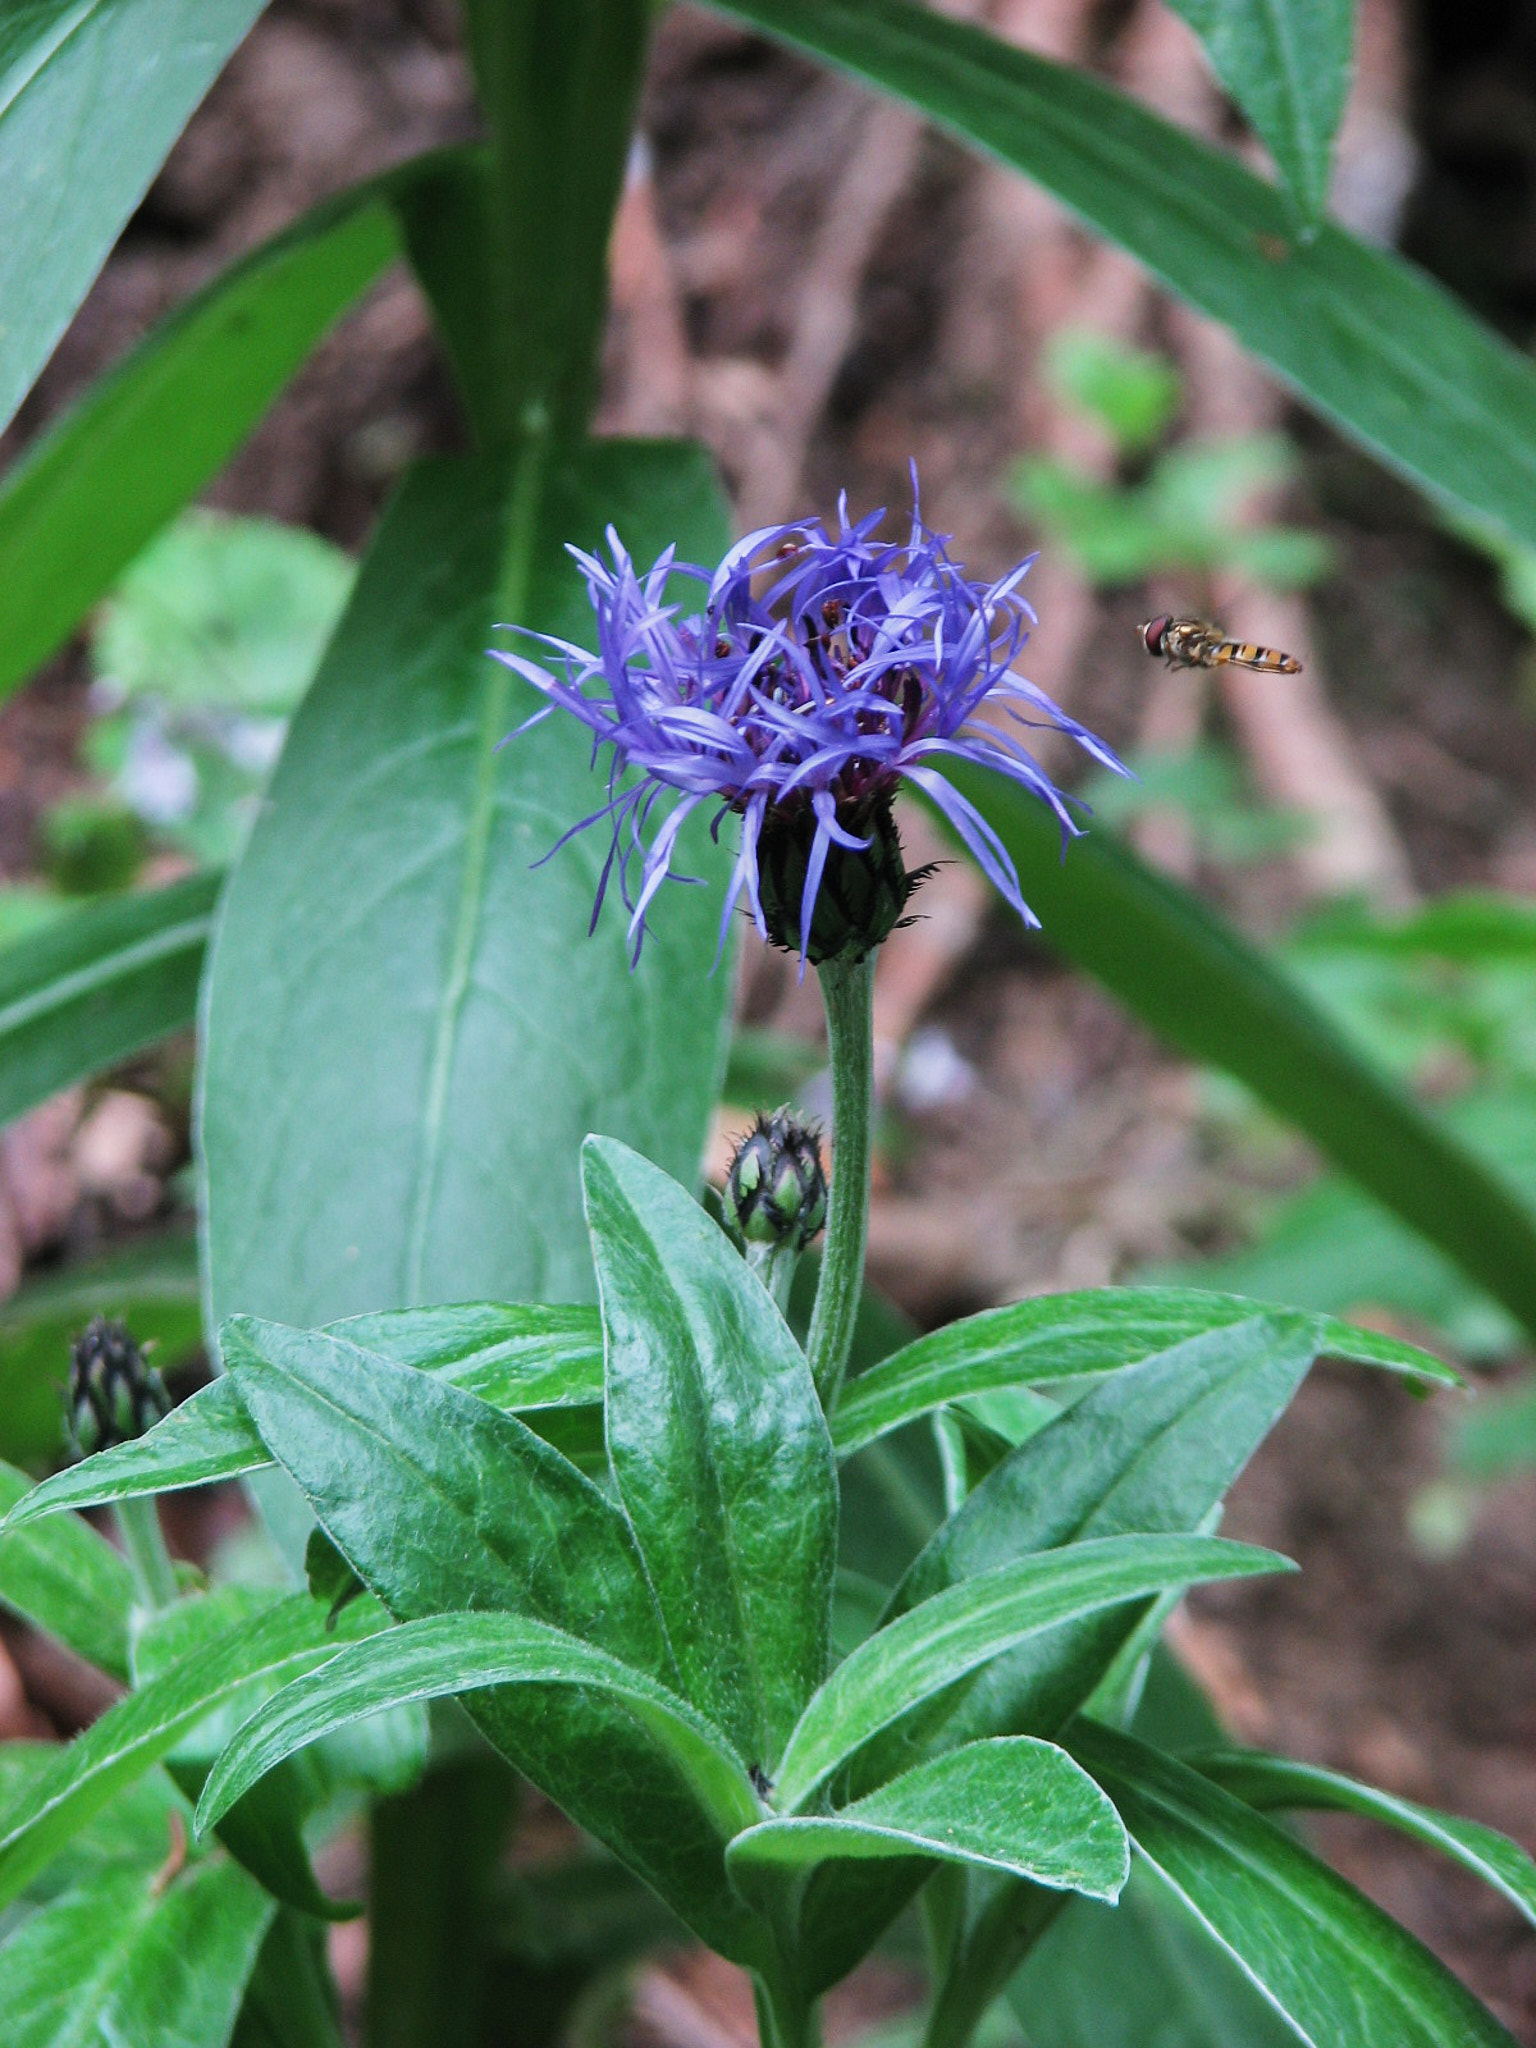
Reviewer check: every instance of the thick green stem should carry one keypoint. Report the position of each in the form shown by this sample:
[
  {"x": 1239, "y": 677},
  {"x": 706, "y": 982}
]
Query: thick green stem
[
  {"x": 784, "y": 2019},
  {"x": 774, "y": 1265},
  {"x": 984, "y": 1955},
  {"x": 138, "y": 1523},
  {"x": 847, "y": 991}
]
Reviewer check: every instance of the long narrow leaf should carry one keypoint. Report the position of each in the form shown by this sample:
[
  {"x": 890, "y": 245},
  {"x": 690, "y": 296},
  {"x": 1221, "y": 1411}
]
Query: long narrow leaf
[
  {"x": 719, "y": 1451},
  {"x": 1278, "y": 1782},
  {"x": 1057, "y": 1337},
  {"x": 68, "y": 1581},
  {"x": 955, "y": 1631},
  {"x": 1202, "y": 987},
  {"x": 1365, "y": 338},
  {"x": 1287, "y": 64},
  {"x": 532, "y": 1361},
  {"x": 447, "y": 1654},
  {"x": 98, "y": 984},
  {"x": 92, "y": 95},
  {"x": 105, "y": 476},
  {"x": 139, "y": 1730},
  {"x": 1324, "y": 1956}
]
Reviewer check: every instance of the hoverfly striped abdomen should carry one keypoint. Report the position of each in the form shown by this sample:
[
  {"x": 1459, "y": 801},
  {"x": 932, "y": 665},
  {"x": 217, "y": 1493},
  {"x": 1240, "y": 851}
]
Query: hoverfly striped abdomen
[{"x": 1192, "y": 643}]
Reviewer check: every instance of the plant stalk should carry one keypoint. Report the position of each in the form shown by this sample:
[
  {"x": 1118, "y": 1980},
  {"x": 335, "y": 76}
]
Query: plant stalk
[
  {"x": 784, "y": 2019},
  {"x": 847, "y": 992},
  {"x": 138, "y": 1523}
]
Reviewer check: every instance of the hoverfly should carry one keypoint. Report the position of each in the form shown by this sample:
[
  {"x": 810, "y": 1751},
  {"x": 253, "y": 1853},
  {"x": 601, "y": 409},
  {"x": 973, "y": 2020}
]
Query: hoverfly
[{"x": 1191, "y": 643}]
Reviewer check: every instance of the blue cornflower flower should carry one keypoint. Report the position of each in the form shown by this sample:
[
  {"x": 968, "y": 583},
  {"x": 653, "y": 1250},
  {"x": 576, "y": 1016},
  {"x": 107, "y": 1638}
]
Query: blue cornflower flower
[{"x": 802, "y": 706}]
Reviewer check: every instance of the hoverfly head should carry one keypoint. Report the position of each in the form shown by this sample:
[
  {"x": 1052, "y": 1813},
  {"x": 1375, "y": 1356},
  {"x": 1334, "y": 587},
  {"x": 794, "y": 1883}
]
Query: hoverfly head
[{"x": 1152, "y": 631}]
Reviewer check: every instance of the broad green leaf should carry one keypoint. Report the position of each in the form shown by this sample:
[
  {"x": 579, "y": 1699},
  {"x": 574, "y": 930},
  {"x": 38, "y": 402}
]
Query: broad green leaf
[
  {"x": 544, "y": 1364},
  {"x": 104, "y": 477},
  {"x": 92, "y": 95},
  {"x": 145, "y": 1726},
  {"x": 1057, "y": 1337},
  {"x": 153, "y": 1283},
  {"x": 1015, "y": 1804},
  {"x": 67, "y": 1581},
  {"x": 1204, "y": 989},
  {"x": 1288, "y": 64},
  {"x": 1365, "y": 338},
  {"x": 98, "y": 984},
  {"x": 389, "y": 912},
  {"x": 1330, "y": 1961},
  {"x": 541, "y": 1362},
  {"x": 1140, "y": 1974},
  {"x": 121, "y": 1959},
  {"x": 475, "y": 1510},
  {"x": 719, "y": 1451},
  {"x": 1277, "y": 1782},
  {"x": 442, "y": 1504},
  {"x": 955, "y": 1631},
  {"x": 558, "y": 81},
  {"x": 449, "y": 1654}
]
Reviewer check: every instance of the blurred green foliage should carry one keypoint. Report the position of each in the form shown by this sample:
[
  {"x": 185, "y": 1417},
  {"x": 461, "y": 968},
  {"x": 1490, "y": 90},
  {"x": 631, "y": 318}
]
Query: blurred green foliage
[{"x": 1176, "y": 511}]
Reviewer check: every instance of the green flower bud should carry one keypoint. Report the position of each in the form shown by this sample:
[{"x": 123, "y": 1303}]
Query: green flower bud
[
  {"x": 114, "y": 1393},
  {"x": 776, "y": 1191}
]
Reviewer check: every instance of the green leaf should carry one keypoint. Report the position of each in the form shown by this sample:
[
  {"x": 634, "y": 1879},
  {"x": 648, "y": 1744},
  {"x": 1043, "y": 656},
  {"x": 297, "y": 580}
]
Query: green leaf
[
  {"x": 559, "y": 83},
  {"x": 1153, "y": 1448},
  {"x": 389, "y": 914},
  {"x": 1062, "y": 1337},
  {"x": 1330, "y": 1961},
  {"x": 139, "y": 1827},
  {"x": 104, "y": 477},
  {"x": 1288, "y": 64},
  {"x": 1138, "y": 1974},
  {"x": 122, "y": 1959},
  {"x": 98, "y": 984},
  {"x": 138, "y": 1731},
  {"x": 1269, "y": 1782},
  {"x": 226, "y": 611},
  {"x": 67, "y": 1581},
  {"x": 719, "y": 1451},
  {"x": 264, "y": 1831},
  {"x": 1366, "y": 339},
  {"x": 449, "y": 1654},
  {"x": 153, "y": 1283},
  {"x": 1015, "y": 1804},
  {"x": 473, "y": 1508},
  {"x": 956, "y": 1631},
  {"x": 92, "y": 95},
  {"x": 1204, "y": 989},
  {"x": 442, "y": 1504},
  {"x": 542, "y": 1363}
]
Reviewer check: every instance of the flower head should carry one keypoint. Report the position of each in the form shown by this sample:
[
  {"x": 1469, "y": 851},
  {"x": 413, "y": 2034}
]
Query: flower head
[
  {"x": 114, "y": 1394},
  {"x": 776, "y": 1190},
  {"x": 820, "y": 671}
]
